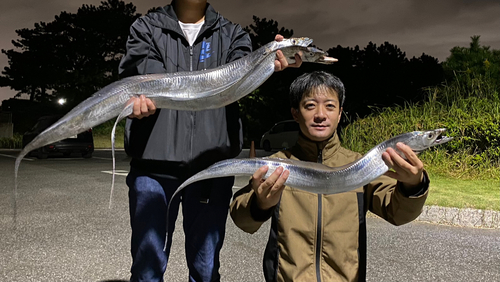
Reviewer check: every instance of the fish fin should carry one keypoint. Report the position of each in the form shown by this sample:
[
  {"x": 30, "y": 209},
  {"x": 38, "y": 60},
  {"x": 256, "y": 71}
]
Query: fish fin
[{"x": 126, "y": 112}]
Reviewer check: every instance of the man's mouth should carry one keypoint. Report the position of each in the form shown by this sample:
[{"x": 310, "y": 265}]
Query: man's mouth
[{"x": 319, "y": 126}]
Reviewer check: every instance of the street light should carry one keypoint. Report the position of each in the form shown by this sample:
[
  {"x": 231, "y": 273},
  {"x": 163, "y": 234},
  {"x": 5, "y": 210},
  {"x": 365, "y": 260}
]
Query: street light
[{"x": 61, "y": 101}]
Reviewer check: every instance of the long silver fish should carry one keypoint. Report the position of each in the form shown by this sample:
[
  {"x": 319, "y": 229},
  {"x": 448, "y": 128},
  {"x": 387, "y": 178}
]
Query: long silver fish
[
  {"x": 319, "y": 178},
  {"x": 198, "y": 90}
]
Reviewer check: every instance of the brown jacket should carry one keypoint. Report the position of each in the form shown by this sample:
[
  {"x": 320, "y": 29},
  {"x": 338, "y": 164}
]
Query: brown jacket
[{"x": 323, "y": 237}]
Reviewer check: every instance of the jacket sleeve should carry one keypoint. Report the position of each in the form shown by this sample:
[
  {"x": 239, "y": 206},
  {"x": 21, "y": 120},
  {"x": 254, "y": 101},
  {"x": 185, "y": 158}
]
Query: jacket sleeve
[
  {"x": 140, "y": 57},
  {"x": 386, "y": 198},
  {"x": 245, "y": 213},
  {"x": 241, "y": 44}
]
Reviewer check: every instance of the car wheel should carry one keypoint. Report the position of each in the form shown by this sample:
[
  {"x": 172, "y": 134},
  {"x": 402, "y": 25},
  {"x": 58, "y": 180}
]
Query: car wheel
[
  {"x": 87, "y": 155},
  {"x": 267, "y": 146}
]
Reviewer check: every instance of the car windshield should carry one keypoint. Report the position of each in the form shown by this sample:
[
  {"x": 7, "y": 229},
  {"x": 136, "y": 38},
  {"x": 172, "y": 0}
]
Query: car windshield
[{"x": 45, "y": 122}]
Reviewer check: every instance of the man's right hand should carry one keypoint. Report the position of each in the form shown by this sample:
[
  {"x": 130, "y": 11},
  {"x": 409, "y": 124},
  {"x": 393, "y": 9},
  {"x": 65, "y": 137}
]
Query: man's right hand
[
  {"x": 143, "y": 107},
  {"x": 268, "y": 192}
]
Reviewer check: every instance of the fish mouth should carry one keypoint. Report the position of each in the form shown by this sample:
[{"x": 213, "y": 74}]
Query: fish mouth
[
  {"x": 440, "y": 139},
  {"x": 327, "y": 60},
  {"x": 436, "y": 137}
]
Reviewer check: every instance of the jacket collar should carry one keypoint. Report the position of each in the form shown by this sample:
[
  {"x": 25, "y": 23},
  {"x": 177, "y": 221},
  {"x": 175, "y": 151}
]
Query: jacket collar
[{"x": 307, "y": 150}]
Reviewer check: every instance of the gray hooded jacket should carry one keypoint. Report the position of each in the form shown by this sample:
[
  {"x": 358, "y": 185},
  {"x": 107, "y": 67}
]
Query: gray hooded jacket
[{"x": 181, "y": 143}]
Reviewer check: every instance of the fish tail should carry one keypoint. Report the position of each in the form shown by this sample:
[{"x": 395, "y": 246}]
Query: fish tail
[
  {"x": 125, "y": 112},
  {"x": 19, "y": 158},
  {"x": 192, "y": 179},
  {"x": 14, "y": 201}
]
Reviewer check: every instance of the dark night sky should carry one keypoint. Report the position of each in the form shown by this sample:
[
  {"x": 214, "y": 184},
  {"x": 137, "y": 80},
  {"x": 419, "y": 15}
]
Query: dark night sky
[{"x": 415, "y": 26}]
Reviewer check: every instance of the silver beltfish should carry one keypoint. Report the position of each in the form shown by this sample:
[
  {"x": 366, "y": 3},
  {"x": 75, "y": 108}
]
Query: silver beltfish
[
  {"x": 197, "y": 90},
  {"x": 319, "y": 178}
]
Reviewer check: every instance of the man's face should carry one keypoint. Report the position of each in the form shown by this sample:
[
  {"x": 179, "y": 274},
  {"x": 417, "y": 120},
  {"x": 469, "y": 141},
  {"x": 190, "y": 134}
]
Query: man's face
[{"x": 318, "y": 114}]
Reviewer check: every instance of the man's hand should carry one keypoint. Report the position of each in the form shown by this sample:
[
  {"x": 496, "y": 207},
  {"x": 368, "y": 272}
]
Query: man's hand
[
  {"x": 143, "y": 107},
  {"x": 409, "y": 172},
  {"x": 268, "y": 192},
  {"x": 280, "y": 63}
]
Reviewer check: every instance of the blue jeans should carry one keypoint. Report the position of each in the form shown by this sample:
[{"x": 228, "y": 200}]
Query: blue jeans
[{"x": 204, "y": 225}]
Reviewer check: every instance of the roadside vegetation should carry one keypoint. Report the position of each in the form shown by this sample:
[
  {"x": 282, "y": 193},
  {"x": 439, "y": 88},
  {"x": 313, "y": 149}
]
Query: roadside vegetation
[
  {"x": 473, "y": 122},
  {"x": 465, "y": 172},
  {"x": 16, "y": 142},
  {"x": 102, "y": 134}
]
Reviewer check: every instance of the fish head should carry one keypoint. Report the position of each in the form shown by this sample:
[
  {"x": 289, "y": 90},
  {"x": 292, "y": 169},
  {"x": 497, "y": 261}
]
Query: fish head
[
  {"x": 425, "y": 139},
  {"x": 298, "y": 41},
  {"x": 289, "y": 42},
  {"x": 307, "y": 54}
]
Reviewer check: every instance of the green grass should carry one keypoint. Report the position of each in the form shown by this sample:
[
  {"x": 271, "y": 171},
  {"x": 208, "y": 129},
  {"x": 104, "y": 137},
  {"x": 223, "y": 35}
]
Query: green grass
[
  {"x": 102, "y": 135},
  {"x": 464, "y": 193},
  {"x": 12, "y": 143},
  {"x": 473, "y": 122},
  {"x": 103, "y": 141},
  {"x": 465, "y": 172}
]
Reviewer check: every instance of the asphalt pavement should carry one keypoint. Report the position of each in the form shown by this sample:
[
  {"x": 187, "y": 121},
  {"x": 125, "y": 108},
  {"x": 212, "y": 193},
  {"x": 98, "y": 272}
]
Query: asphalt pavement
[{"x": 62, "y": 230}]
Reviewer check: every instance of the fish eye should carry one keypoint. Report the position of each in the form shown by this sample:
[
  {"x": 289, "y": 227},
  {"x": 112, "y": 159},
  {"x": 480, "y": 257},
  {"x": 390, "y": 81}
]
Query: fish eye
[
  {"x": 431, "y": 135},
  {"x": 311, "y": 53},
  {"x": 294, "y": 41}
]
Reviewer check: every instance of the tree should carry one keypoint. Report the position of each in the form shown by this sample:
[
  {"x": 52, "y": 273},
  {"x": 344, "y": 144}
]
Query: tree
[
  {"x": 473, "y": 66},
  {"x": 271, "y": 97},
  {"x": 263, "y": 31},
  {"x": 73, "y": 56},
  {"x": 382, "y": 76}
]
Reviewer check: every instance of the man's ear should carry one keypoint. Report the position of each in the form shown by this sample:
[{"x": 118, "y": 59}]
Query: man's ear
[
  {"x": 295, "y": 114},
  {"x": 340, "y": 113}
]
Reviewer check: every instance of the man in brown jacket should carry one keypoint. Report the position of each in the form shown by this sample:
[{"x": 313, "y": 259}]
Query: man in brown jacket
[{"x": 323, "y": 237}]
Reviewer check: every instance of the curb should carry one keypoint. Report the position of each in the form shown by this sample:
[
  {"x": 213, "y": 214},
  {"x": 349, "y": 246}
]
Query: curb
[{"x": 460, "y": 217}]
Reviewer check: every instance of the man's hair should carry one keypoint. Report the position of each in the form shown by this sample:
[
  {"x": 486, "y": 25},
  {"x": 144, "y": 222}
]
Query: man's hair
[{"x": 309, "y": 82}]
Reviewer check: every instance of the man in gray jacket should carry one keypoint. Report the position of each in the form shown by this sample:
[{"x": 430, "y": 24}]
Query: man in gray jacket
[{"x": 168, "y": 146}]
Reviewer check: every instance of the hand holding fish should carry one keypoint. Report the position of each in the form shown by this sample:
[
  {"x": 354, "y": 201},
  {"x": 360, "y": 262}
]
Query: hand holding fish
[
  {"x": 281, "y": 63},
  {"x": 409, "y": 172},
  {"x": 268, "y": 191},
  {"x": 143, "y": 107}
]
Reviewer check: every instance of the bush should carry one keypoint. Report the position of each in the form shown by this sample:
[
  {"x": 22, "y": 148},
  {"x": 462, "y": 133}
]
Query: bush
[
  {"x": 105, "y": 128},
  {"x": 16, "y": 142},
  {"x": 473, "y": 121}
]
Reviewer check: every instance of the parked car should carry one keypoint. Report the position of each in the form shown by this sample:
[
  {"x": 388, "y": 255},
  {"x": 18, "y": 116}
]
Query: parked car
[
  {"x": 282, "y": 135},
  {"x": 82, "y": 143}
]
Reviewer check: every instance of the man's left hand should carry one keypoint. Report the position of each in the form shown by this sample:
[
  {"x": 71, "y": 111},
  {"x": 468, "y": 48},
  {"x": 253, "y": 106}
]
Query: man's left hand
[
  {"x": 409, "y": 172},
  {"x": 280, "y": 63}
]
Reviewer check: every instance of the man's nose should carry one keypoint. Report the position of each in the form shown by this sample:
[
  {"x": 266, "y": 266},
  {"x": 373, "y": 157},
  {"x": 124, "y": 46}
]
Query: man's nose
[{"x": 320, "y": 114}]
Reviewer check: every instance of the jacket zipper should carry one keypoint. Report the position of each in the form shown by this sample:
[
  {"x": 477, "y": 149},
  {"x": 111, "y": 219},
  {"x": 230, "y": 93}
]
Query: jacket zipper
[
  {"x": 191, "y": 54},
  {"x": 318, "y": 228}
]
